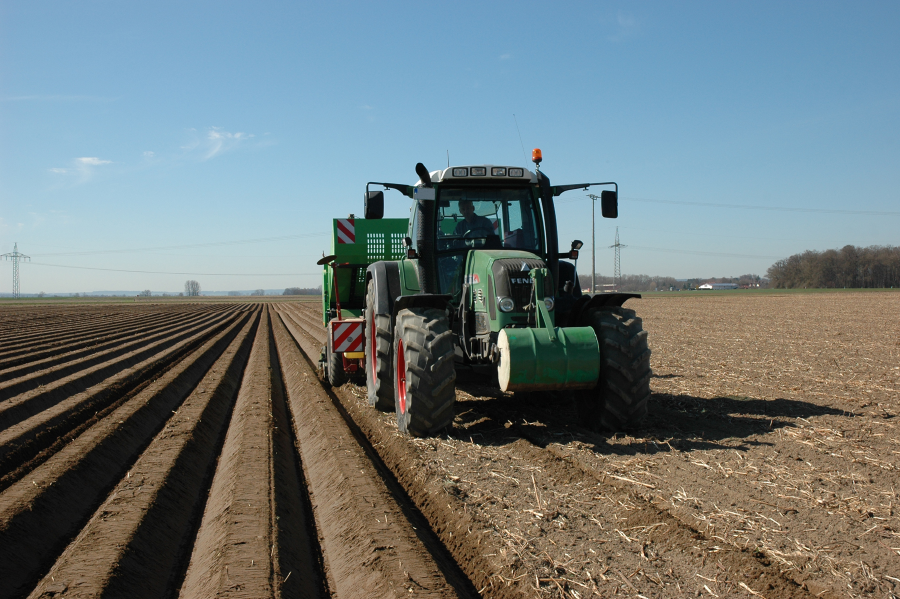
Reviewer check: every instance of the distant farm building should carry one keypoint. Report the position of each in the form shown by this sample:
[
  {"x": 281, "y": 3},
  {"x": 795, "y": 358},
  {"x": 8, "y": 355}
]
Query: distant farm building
[{"x": 719, "y": 286}]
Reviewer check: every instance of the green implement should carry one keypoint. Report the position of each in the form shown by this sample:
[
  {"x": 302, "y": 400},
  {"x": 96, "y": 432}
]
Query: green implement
[
  {"x": 547, "y": 357},
  {"x": 356, "y": 243}
]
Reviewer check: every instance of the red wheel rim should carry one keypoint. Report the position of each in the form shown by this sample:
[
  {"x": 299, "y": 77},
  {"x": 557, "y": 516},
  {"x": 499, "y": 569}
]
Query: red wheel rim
[
  {"x": 372, "y": 345},
  {"x": 401, "y": 377}
]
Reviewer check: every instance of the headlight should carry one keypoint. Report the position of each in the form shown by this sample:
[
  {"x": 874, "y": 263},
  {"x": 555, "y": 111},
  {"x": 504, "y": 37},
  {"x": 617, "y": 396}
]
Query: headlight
[
  {"x": 478, "y": 171},
  {"x": 516, "y": 172},
  {"x": 548, "y": 301},
  {"x": 506, "y": 304},
  {"x": 460, "y": 172}
]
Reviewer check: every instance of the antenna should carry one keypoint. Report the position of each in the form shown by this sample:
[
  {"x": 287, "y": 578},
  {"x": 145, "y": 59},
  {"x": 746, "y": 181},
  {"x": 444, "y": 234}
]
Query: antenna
[
  {"x": 618, "y": 266},
  {"x": 524, "y": 155},
  {"x": 15, "y": 256},
  {"x": 448, "y": 158}
]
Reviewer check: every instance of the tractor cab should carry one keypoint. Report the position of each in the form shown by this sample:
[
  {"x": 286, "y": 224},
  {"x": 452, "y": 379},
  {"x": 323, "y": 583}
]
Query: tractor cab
[{"x": 484, "y": 219}]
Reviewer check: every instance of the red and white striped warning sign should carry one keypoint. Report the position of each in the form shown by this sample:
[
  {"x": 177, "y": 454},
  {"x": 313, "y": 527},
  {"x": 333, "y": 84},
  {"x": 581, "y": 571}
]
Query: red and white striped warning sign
[
  {"x": 345, "y": 230},
  {"x": 347, "y": 336}
]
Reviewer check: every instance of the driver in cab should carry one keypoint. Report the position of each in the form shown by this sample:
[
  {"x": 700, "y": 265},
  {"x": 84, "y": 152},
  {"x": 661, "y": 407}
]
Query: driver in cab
[{"x": 480, "y": 226}]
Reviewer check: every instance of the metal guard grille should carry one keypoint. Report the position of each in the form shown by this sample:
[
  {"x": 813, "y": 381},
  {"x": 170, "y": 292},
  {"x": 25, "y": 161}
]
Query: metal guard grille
[{"x": 510, "y": 280}]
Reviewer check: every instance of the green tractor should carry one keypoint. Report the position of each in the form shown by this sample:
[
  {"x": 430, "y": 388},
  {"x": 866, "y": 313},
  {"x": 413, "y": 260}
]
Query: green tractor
[{"x": 481, "y": 284}]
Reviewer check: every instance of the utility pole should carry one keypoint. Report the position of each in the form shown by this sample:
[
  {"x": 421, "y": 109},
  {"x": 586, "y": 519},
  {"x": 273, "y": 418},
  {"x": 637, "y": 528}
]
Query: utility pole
[
  {"x": 15, "y": 256},
  {"x": 618, "y": 265},
  {"x": 594, "y": 199}
]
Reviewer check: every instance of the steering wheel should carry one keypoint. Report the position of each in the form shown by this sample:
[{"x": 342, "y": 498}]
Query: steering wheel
[{"x": 470, "y": 240}]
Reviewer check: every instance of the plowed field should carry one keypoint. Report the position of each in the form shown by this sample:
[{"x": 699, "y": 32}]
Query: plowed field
[{"x": 190, "y": 449}]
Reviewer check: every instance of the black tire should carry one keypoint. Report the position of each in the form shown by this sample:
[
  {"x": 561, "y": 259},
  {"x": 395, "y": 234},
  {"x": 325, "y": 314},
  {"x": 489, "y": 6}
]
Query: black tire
[
  {"x": 424, "y": 373},
  {"x": 619, "y": 401},
  {"x": 334, "y": 363},
  {"x": 379, "y": 355}
]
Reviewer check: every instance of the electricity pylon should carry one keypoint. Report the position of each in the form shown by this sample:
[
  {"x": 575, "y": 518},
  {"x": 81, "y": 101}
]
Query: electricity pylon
[
  {"x": 618, "y": 266},
  {"x": 15, "y": 256}
]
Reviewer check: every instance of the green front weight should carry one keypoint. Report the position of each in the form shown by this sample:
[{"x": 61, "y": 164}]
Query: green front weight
[{"x": 531, "y": 360}]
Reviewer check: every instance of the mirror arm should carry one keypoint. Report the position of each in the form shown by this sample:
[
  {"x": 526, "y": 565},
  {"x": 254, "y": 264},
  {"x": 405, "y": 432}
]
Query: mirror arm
[
  {"x": 406, "y": 190},
  {"x": 559, "y": 189}
]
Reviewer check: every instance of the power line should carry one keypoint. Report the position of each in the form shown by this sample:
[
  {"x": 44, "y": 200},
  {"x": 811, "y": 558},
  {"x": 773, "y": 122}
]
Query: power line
[
  {"x": 770, "y": 208},
  {"x": 198, "y": 274},
  {"x": 750, "y": 207},
  {"x": 700, "y": 253},
  {"x": 705, "y": 233},
  {"x": 186, "y": 246}
]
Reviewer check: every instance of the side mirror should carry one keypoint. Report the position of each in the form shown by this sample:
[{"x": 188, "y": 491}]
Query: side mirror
[
  {"x": 609, "y": 204},
  {"x": 410, "y": 252},
  {"x": 374, "y": 204},
  {"x": 573, "y": 253}
]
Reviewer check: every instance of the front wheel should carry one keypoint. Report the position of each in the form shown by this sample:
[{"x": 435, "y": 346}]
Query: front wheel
[
  {"x": 619, "y": 401},
  {"x": 424, "y": 373}
]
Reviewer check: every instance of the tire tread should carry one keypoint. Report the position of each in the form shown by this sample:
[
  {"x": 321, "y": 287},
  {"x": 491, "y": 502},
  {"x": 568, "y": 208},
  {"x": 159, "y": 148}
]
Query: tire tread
[
  {"x": 431, "y": 372},
  {"x": 619, "y": 402}
]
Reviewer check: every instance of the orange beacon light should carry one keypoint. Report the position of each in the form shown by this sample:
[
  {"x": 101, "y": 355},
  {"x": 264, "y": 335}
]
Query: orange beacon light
[{"x": 536, "y": 156}]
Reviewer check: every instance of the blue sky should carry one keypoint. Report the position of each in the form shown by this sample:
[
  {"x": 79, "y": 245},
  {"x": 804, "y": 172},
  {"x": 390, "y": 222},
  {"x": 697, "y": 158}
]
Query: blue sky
[{"x": 130, "y": 130}]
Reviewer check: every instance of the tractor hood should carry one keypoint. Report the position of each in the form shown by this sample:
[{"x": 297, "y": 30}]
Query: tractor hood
[{"x": 506, "y": 274}]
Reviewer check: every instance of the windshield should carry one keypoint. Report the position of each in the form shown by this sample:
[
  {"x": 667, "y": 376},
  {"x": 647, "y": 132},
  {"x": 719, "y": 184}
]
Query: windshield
[
  {"x": 481, "y": 218},
  {"x": 488, "y": 218}
]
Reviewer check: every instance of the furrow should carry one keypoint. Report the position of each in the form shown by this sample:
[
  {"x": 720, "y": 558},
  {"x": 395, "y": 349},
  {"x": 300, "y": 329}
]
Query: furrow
[
  {"x": 235, "y": 541},
  {"x": 40, "y": 515},
  {"x": 23, "y": 384},
  {"x": 297, "y": 541},
  {"x": 379, "y": 550},
  {"x": 48, "y": 416},
  {"x": 35, "y": 360},
  {"x": 52, "y": 322},
  {"x": 134, "y": 542},
  {"x": 69, "y": 330},
  {"x": 311, "y": 328},
  {"x": 24, "y": 405},
  {"x": 444, "y": 513}
]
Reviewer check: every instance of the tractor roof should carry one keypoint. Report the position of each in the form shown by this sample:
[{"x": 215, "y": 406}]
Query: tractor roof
[{"x": 476, "y": 172}]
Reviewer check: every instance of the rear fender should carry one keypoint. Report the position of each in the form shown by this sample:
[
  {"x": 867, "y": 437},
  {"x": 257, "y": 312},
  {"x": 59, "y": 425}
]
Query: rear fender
[
  {"x": 386, "y": 275},
  {"x": 420, "y": 300},
  {"x": 608, "y": 300}
]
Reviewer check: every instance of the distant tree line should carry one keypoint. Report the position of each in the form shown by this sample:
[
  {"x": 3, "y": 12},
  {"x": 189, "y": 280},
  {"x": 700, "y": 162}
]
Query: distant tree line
[
  {"x": 303, "y": 291},
  {"x": 850, "y": 267}
]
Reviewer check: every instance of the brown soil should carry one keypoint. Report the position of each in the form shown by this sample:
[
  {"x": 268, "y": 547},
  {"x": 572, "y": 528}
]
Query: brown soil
[
  {"x": 748, "y": 392},
  {"x": 162, "y": 449}
]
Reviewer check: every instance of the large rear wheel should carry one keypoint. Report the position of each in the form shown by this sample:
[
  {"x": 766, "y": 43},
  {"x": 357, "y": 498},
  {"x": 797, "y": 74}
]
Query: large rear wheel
[
  {"x": 379, "y": 377},
  {"x": 424, "y": 373},
  {"x": 619, "y": 401}
]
